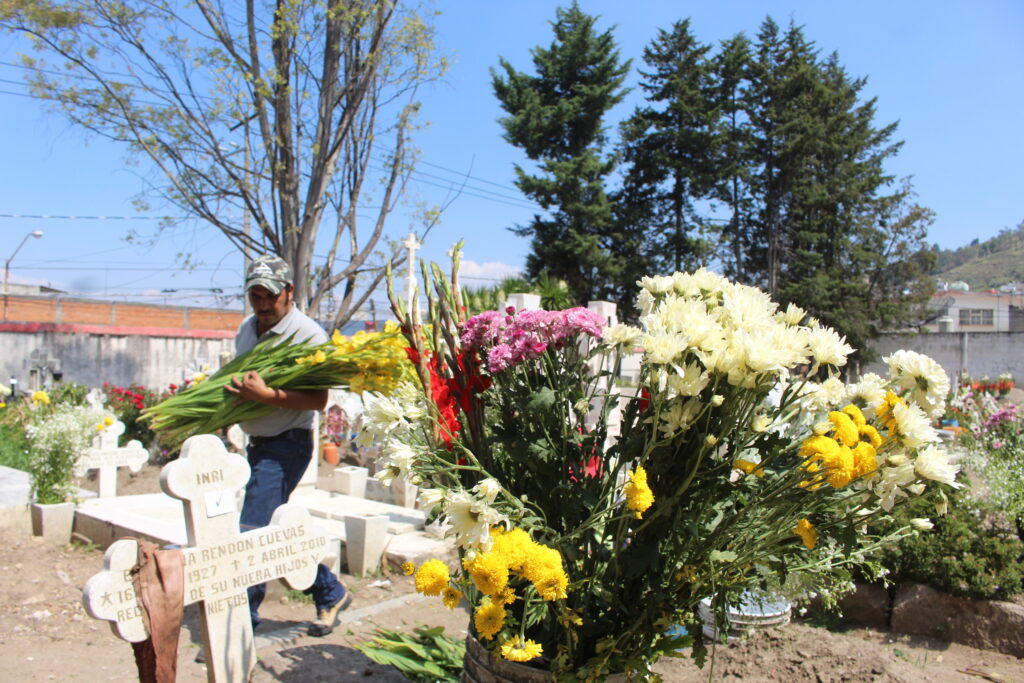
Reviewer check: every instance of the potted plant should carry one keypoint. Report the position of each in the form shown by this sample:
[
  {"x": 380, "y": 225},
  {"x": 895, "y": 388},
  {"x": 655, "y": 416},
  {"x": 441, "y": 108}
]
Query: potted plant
[
  {"x": 741, "y": 460},
  {"x": 57, "y": 435}
]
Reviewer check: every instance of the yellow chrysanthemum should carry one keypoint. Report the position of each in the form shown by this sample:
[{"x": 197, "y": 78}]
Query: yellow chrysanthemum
[
  {"x": 639, "y": 496},
  {"x": 749, "y": 467},
  {"x": 806, "y": 531},
  {"x": 840, "y": 469},
  {"x": 489, "y": 618},
  {"x": 451, "y": 597},
  {"x": 505, "y": 597},
  {"x": 870, "y": 435},
  {"x": 514, "y": 546},
  {"x": 864, "y": 461},
  {"x": 520, "y": 651},
  {"x": 408, "y": 568},
  {"x": 489, "y": 572},
  {"x": 432, "y": 577},
  {"x": 41, "y": 397},
  {"x": 885, "y": 410},
  {"x": 818, "y": 446},
  {"x": 108, "y": 420},
  {"x": 856, "y": 415},
  {"x": 844, "y": 428}
]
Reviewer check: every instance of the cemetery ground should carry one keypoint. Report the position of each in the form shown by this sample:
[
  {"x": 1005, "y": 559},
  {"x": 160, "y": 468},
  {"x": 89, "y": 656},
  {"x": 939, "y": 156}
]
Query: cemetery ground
[{"x": 45, "y": 633}]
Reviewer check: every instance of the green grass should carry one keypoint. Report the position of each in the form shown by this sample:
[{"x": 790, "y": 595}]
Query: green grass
[{"x": 13, "y": 447}]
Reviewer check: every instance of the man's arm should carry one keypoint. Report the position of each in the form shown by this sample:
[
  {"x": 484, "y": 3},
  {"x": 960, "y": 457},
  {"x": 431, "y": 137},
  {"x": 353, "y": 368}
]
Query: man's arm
[{"x": 251, "y": 387}]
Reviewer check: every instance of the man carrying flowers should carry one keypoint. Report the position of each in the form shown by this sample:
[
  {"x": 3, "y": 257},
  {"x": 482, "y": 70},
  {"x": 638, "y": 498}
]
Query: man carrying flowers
[{"x": 280, "y": 442}]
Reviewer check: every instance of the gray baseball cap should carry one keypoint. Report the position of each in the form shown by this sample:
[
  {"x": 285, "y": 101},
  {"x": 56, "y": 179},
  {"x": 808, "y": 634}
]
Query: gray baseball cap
[{"x": 269, "y": 271}]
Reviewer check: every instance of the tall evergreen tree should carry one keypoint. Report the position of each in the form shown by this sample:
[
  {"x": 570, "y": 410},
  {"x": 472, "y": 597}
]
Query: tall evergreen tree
[
  {"x": 557, "y": 118},
  {"x": 667, "y": 147}
]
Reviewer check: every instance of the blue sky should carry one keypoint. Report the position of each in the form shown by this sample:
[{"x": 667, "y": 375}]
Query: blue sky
[{"x": 951, "y": 73}]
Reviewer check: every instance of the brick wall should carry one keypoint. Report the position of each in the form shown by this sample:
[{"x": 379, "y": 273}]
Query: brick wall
[{"x": 59, "y": 310}]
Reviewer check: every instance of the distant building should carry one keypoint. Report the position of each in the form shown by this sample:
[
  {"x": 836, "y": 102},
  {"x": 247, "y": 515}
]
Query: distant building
[{"x": 957, "y": 309}]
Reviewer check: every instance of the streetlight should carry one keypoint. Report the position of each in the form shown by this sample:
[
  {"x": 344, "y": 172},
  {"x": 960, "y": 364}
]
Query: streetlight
[{"x": 7, "y": 264}]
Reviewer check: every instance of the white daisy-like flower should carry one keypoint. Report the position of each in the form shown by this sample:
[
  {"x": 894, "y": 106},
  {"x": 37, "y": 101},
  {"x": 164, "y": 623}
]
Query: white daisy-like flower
[
  {"x": 381, "y": 414},
  {"x": 487, "y": 490},
  {"x": 913, "y": 426},
  {"x": 645, "y": 302},
  {"x": 400, "y": 456},
  {"x": 827, "y": 347},
  {"x": 430, "y": 497},
  {"x": 471, "y": 520},
  {"x": 933, "y": 463},
  {"x": 923, "y": 377},
  {"x": 922, "y": 523}
]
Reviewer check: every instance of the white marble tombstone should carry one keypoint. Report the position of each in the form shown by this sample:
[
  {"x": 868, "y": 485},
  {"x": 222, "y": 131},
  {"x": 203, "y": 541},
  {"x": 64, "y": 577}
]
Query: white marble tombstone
[
  {"x": 105, "y": 456},
  {"x": 220, "y": 562}
]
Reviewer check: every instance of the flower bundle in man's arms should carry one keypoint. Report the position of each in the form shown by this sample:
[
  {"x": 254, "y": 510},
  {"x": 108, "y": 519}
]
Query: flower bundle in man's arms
[{"x": 365, "y": 361}]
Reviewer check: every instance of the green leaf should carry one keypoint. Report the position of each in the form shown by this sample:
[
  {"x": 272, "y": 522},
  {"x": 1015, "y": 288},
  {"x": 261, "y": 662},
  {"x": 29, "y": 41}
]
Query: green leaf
[{"x": 541, "y": 400}]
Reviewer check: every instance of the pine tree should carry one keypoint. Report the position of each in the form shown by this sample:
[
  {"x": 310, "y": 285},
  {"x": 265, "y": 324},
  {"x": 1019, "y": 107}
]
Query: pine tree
[
  {"x": 557, "y": 118},
  {"x": 667, "y": 147}
]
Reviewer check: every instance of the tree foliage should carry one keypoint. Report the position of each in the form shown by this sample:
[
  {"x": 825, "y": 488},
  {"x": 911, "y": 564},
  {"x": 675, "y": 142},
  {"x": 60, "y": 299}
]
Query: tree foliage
[
  {"x": 557, "y": 118},
  {"x": 267, "y": 121}
]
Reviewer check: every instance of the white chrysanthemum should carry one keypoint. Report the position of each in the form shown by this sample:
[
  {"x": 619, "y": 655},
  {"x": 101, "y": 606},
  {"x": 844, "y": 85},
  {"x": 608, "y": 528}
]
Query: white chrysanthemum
[
  {"x": 827, "y": 347},
  {"x": 677, "y": 312},
  {"x": 687, "y": 380},
  {"x": 411, "y": 399},
  {"x": 890, "y": 482},
  {"x": 645, "y": 302},
  {"x": 913, "y": 426},
  {"x": 922, "y": 523},
  {"x": 678, "y": 417},
  {"x": 933, "y": 463},
  {"x": 793, "y": 315},
  {"x": 922, "y": 376},
  {"x": 471, "y": 520},
  {"x": 824, "y": 396},
  {"x": 868, "y": 393},
  {"x": 747, "y": 307},
  {"x": 657, "y": 284},
  {"x": 625, "y": 336},
  {"x": 663, "y": 347},
  {"x": 702, "y": 281}
]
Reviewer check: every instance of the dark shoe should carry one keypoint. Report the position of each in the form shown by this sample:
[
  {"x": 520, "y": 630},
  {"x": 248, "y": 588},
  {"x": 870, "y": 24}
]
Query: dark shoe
[
  {"x": 327, "y": 619},
  {"x": 201, "y": 655}
]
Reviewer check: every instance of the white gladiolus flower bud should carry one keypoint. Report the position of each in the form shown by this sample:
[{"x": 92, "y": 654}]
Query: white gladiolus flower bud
[{"x": 717, "y": 400}]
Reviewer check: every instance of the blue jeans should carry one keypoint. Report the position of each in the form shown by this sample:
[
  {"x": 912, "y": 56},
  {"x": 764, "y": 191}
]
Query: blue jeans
[{"x": 277, "y": 466}]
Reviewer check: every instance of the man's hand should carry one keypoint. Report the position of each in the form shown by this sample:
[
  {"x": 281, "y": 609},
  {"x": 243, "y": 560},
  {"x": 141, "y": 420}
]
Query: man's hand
[{"x": 251, "y": 387}]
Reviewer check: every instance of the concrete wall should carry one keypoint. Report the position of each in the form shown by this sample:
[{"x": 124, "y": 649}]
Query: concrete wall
[
  {"x": 980, "y": 353},
  {"x": 106, "y": 341},
  {"x": 94, "y": 358}
]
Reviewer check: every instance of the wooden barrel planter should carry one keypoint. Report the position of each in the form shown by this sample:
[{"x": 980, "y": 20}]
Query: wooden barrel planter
[{"x": 480, "y": 666}]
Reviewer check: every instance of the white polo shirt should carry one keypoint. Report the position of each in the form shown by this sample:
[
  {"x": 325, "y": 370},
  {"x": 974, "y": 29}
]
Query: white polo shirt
[{"x": 305, "y": 329}]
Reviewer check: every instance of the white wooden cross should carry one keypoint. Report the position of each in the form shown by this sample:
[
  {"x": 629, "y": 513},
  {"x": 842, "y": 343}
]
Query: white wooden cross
[
  {"x": 412, "y": 244},
  {"x": 221, "y": 562},
  {"x": 105, "y": 456}
]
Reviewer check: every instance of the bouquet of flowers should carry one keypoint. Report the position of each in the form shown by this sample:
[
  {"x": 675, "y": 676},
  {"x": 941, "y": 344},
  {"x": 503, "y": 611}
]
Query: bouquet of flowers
[
  {"x": 591, "y": 520},
  {"x": 364, "y": 361}
]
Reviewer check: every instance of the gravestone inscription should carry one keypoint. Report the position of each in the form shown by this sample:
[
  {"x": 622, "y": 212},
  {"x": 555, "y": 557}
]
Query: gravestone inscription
[{"x": 220, "y": 563}]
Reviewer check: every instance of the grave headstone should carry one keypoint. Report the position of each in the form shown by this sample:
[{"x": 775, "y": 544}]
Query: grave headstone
[
  {"x": 220, "y": 563},
  {"x": 106, "y": 456}
]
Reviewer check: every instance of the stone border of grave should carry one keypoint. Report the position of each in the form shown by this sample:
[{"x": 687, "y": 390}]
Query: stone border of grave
[{"x": 916, "y": 609}]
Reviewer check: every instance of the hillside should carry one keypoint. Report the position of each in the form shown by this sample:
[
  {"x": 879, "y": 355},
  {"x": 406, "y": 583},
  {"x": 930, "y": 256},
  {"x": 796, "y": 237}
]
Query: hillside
[{"x": 984, "y": 265}]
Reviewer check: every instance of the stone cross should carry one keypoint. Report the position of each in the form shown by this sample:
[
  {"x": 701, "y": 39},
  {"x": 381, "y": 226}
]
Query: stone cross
[
  {"x": 105, "y": 456},
  {"x": 220, "y": 563}
]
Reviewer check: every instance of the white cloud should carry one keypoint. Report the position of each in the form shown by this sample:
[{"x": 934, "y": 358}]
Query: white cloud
[{"x": 483, "y": 274}]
